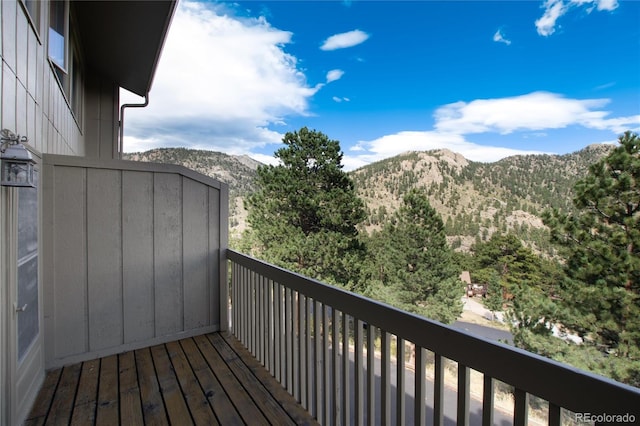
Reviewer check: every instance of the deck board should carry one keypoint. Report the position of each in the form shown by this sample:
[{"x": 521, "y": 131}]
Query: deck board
[
  {"x": 151, "y": 398},
  {"x": 204, "y": 380},
  {"x": 85, "y": 405},
  {"x": 108, "y": 404}
]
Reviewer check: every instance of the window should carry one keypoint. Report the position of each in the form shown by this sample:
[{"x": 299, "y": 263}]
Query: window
[
  {"x": 33, "y": 10},
  {"x": 64, "y": 54},
  {"x": 58, "y": 14}
]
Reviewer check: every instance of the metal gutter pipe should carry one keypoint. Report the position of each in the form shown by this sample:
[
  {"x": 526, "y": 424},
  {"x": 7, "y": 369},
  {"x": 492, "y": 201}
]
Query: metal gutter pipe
[{"x": 121, "y": 122}]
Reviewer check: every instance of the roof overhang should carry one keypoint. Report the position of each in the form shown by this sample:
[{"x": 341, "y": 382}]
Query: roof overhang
[{"x": 122, "y": 40}]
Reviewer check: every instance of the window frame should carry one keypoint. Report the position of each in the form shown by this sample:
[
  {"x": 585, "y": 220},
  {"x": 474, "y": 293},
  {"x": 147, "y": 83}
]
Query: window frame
[
  {"x": 65, "y": 36},
  {"x": 70, "y": 78},
  {"x": 33, "y": 11}
]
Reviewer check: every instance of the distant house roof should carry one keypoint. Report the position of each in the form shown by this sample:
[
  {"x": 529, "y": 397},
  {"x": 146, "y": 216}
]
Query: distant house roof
[{"x": 122, "y": 40}]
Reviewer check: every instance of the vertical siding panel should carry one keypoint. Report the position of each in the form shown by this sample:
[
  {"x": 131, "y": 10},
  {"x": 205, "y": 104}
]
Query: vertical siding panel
[
  {"x": 104, "y": 245},
  {"x": 70, "y": 262},
  {"x": 22, "y": 44},
  {"x": 8, "y": 97},
  {"x": 168, "y": 253},
  {"x": 214, "y": 255},
  {"x": 9, "y": 11},
  {"x": 196, "y": 254},
  {"x": 137, "y": 256},
  {"x": 21, "y": 109},
  {"x": 32, "y": 64}
]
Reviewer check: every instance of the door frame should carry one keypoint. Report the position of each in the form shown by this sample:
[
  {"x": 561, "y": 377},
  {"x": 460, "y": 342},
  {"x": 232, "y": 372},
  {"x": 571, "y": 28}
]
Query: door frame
[{"x": 20, "y": 379}]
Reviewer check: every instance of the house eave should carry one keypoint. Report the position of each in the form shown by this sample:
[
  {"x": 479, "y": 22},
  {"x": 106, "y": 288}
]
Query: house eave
[{"x": 122, "y": 40}]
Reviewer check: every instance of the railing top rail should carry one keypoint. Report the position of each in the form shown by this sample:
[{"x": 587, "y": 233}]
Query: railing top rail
[{"x": 566, "y": 386}]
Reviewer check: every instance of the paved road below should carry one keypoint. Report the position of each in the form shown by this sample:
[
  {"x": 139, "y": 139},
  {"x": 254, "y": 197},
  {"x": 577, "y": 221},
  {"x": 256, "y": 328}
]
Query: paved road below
[{"x": 484, "y": 331}]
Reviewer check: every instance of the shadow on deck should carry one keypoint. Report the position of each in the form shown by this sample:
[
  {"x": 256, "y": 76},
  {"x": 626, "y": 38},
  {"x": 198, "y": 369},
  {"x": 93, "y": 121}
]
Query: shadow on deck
[{"x": 205, "y": 380}]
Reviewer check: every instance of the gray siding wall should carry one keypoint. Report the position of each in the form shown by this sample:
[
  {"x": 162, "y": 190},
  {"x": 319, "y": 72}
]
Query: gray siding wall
[{"x": 132, "y": 256}]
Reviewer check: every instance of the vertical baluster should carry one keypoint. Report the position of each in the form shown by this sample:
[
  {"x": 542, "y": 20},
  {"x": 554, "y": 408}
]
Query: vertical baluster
[
  {"x": 288, "y": 320},
  {"x": 554, "y": 415},
  {"x": 385, "y": 344},
  {"x": 265, "y": 322},
  {"x": 359, "y": 373},
  {"x": 243, "y": 309},
  {"x": 310, "y": 359},
  {"x": 400, "y": 383},
  {"x": 270, "y": 328},
  {"x": 276, "y": 331},
  {"x": 371, "y": 376},
  {"x": 463, "y": 395},
  {"x": 521, "y": 408},
  {"x": 438, "y": 391},
  {"x": 326, "y": 363},
  {"x": 251, "y": 311},
  {"x": 488, "y": 400},
  {"x": 346, "y": 392},
  {"x": 246, "y": 307},
  {"x": 260, "y": 318},
  {"x": 238, "y": 305},
  {"x": 283, "y": 346},
  {"x": 335, "y": 346},
  {"x": 295, "y": 301},
  {"x": 234, "y": 299},
  {"x": 317, "y": 337},
  {"x": 302, "y": 342},
  {"x": 420, "y": 386}
]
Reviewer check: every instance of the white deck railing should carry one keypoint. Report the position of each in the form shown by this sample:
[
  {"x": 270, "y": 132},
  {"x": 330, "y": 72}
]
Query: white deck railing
[{"x": 314, "y": 337}]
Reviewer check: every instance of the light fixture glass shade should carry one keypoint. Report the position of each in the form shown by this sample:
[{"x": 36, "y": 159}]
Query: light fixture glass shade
[{"x": 17, "y": 166}]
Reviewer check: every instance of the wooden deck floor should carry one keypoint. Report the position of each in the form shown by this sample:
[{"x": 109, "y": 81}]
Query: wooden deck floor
[{"x": 204, "y": 380}]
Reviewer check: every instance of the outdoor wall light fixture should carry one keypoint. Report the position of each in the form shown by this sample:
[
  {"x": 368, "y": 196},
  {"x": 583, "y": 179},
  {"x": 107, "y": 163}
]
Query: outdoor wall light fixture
[{"x": 17, "y": 163}]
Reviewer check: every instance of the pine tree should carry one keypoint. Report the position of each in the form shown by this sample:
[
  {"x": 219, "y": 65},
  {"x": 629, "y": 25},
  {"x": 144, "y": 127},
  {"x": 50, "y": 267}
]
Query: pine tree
[
  {"x": 417, "y": 261},
  {"x": 304, "y": 213},
  {"x": 602, "y": 248}
]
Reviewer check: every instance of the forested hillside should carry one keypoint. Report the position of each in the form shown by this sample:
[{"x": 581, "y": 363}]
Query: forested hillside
[{"x": 477, "y": 199}]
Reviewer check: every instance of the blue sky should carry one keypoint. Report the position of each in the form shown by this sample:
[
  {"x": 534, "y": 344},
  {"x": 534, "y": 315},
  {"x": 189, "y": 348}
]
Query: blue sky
[{"x": 485, "y": 79}]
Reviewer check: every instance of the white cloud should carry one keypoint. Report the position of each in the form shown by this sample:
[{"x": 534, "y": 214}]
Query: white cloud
[
  {"x": 220, "y": 83},
  {"x": 554, "y": 9},
  {"x": 334, "y": 75},
  {"x": 339, "y": 99},
  {"x": 344, "y": 40},
  {"x": 608, "y": 5},
  {"x": 533, "y": 111},
  {"x": 265, "y": 159},
  {"x": 499, "y": 38}
]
